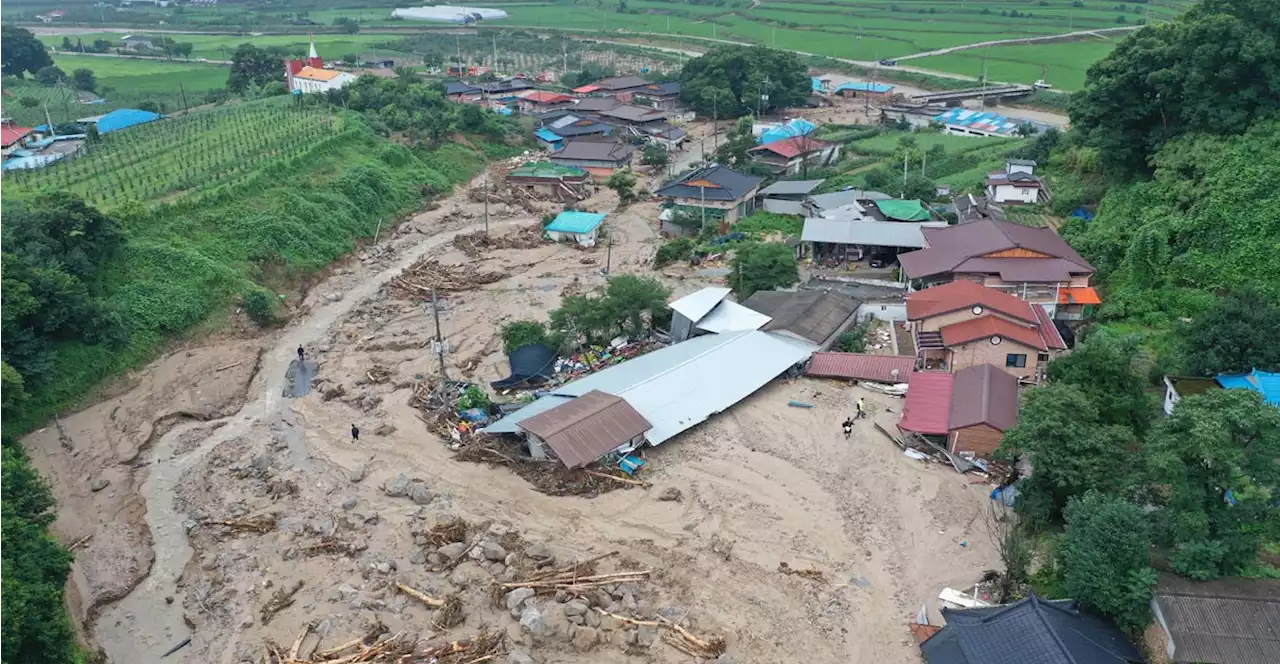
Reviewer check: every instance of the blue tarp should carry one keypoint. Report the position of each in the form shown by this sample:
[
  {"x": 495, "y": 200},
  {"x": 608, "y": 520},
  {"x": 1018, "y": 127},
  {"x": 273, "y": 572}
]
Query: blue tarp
[
  {"x": 578, "y": 223},
  {"x": 1266, "y": 384},
  {"x": 793, "y": 128},
  {"x": 864, "y": 87},
  {"x": 980, "y": 121},
  {"x": 123, "y": 118}
]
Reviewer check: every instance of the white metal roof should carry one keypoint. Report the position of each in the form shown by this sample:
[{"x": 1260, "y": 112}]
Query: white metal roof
[
  {"x": 682, "y": 385},
  {"x": 791, "y": 187},
  {"x": 729, "y": 316},
  {"x": 699, "y": 303},
  {"x": 874, "y": 233}
]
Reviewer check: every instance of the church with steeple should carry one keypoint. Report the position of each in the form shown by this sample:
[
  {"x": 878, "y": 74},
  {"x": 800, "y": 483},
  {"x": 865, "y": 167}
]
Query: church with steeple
[{"x": 309, "y": 76}]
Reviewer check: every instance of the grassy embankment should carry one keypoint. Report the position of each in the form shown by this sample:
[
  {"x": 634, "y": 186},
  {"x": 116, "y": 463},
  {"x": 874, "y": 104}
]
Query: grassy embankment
[{"x": 200, "y": 237}]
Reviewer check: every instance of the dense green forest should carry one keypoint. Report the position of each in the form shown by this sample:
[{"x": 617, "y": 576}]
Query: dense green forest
[{"x": 1187, "y": 244}]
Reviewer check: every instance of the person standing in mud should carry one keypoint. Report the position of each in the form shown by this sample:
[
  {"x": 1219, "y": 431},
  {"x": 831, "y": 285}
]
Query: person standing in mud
[
  {"x": 355, "y": 434},
  {"x": 862, "y": 409},
  {"x": 302, "y": 355}
]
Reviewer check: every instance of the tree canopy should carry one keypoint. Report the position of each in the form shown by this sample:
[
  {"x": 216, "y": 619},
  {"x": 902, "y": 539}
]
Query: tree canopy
[
  {"x": 628, "y": 306},
  {"x": 1216, "y": 456},
  {"x": 1237, "y": 334},
  {"x": 21, "y": 53},
  {"x": 758, "y": 266},
  {"x": 252, "y": 66},
  {"x": 1213, "y": 70},
  {"x": 730, "y": 80},
  {"x": 1106, "y": 558}
]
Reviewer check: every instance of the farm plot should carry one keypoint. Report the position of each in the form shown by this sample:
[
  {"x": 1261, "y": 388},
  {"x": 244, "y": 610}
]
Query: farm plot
[
  {"x": 1063, "y": 65},
  {"x": 196, "y": 153}
]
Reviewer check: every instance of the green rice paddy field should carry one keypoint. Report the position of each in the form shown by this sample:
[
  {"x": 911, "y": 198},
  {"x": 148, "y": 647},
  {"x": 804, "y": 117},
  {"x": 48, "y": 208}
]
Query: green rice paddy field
[{"x": 855, "y": 29}]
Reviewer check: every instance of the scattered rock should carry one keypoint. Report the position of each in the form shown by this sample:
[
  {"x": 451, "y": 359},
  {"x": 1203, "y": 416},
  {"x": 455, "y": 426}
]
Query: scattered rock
[
  {"x": 517, "y": 597},
  {"x": 670, "y": 494},
  {"x": 532, "y": 622},
  {"x": 290, "y": 553},
  {"x": 384, "y": 430},
  {"x": 645, "y": 636},
  {"x": 575, "y": 607},
  {"x": 383, "y": 568},
  {"x": 419, "y": 493},
  {"x": 99, "y": 484},
  {"x": 494, "y": 551},
  {"x": 520, "y": 656},
  {"x": 435, "y": 559},
  {"x": 593, "y": 619},
  {"x": 585, "y": 638},
  {"x": 452, "y": 551},
  {"x": 468, "y": 573},
  {"x": 725, "y": 659},
  {"x": 349, "y": 504},
  {"x": 398, "y": 486},
  {"x": 417, "y": 558},
  {"x": 497, "y": 569},
  {"x": 359, "y": 473}
]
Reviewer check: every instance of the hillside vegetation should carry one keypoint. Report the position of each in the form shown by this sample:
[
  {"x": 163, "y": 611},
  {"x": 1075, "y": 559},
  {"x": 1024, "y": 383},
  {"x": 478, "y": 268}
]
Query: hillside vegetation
[{"x": 89, "y": 293}]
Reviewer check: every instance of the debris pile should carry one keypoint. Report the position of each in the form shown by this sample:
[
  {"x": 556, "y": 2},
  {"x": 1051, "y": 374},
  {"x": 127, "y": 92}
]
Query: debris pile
[
  {"x": 549, "y": 477},
  {"x": 402, "y": 647},
  {"x": 478, "y": 243},
  {"x": 422, "y": 277}
]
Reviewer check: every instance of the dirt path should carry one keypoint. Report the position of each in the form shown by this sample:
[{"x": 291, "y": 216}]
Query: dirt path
[
  {"x": 1066, "y": 36},
  {"x": 141, "y": 640}
]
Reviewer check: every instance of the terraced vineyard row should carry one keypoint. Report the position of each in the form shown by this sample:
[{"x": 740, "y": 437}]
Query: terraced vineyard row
[{"x": 196, "y": 153}]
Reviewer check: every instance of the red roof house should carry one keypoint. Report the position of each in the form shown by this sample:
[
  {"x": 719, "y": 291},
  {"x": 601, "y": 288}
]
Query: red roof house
[
  {"x": 11, "y": 134},
  {"x": 861, "y": 366},
  {"x": 788, "y": 156},
  {"x": 963, "y": 324},
  {"x": 972, "y": 407}
]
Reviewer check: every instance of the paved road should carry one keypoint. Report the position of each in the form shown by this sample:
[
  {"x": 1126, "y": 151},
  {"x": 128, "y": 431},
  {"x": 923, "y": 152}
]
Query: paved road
[{"x": 1022, "y": 40}]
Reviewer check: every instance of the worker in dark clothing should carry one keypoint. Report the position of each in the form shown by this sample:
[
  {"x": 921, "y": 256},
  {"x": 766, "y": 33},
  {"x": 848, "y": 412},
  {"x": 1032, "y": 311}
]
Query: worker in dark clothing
[
  {"x": 302, "y": 355},
  {"x": 848, "y": 426},
  {"x": 355, "y": 434}
]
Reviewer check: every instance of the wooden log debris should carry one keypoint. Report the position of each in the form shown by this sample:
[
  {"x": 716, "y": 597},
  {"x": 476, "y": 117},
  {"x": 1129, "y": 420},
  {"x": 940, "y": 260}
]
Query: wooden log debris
[{"x": 281, "y": 600}]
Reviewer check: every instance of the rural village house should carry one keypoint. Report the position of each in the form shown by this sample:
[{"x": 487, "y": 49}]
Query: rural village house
[
  {"x": 715, "y": 193},
  {"x": 1017, "y": 183},
  {"x": 793, "y": 155},
  {"x": 1034, "y": 264},
  {"x": 579, "y": 227},
  {"x": 963, "y": 324},
  {"x": 1033, "y": 630},
  {"x": 972, "y": 407},
  {"x": 562, "y": 183},
  {"x": 1226, "y": 621},
  {"x": 599, "y": 158}
]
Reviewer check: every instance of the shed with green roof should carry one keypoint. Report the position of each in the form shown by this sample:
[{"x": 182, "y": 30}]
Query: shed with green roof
[{"x": 562, "y": 183}]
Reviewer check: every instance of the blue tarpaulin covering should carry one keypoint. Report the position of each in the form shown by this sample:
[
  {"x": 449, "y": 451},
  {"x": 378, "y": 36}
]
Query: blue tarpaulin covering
[
  {"x": 792, "y": 128},
  {"x": 577, "y": 223},
  {"x": 1262, "y": 382},
  {"x": 123, "y": 118},
  {"x": 860, "y": 86}
]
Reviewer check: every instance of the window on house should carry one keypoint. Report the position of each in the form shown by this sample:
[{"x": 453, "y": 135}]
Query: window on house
[
  {"x": 1018, "y": 360},
  {"x": 1042, "y": 357}
]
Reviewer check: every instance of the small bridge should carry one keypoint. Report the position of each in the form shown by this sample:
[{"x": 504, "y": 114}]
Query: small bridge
[{"x": 989, "y": 92}]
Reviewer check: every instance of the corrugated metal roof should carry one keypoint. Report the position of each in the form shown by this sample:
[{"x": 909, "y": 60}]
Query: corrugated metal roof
[
  {"x": 860, "y": 86},
  {"x": 1048, "y": 331},
  {"x": 860, "y": 366},
  {"x": 928, "y": 406},
  {"x": 868, "y": 232},
  {"x": 123, "y": 118},
  {"x": 588, "y": 427},
  {"x": 1266, "y": 384},
  {"x": 548, "y": 135},
  {"x": 1079, "y": 295},
  {"x": 813, "y": 315},
  {"x": 729, "y": 316},
  {"x": 680, "y": 386},
  {"x": 1228, "y": 621},
  {"x": 791, "y": 187},
  {"x": 984, "y": 394},
  {"x": 699, "y": 303}
]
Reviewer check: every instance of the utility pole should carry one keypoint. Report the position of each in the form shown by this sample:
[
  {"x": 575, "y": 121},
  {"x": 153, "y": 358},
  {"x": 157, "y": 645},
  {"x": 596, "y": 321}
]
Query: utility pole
[
  {"x": 703, "y": 191},
  {"x": 495, "y": 52},
  {"x": 608, "y": 252},
  {"x": 486, "y": 200},
  {"x": 435, "y": 312},
  {"x": 924, "y": 160},
  {"x": 905, "y": 153},
  {"x": 715, "y": 123},
  {"x": 182, "y": 92},
  {"x": 564, "y": 56}
]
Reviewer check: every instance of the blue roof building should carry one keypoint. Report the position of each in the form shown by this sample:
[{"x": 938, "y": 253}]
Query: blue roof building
[
  {"x": 817, "y": 84},
  {"x": 123, "y": 118},
  {"x": 860, "y": 86},
  {"x": 581, "y": 227},
  {"x": 1262, "y": 382},
  {"x": 549, "y": 139},
  {"x": 963, "y": 121}
]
